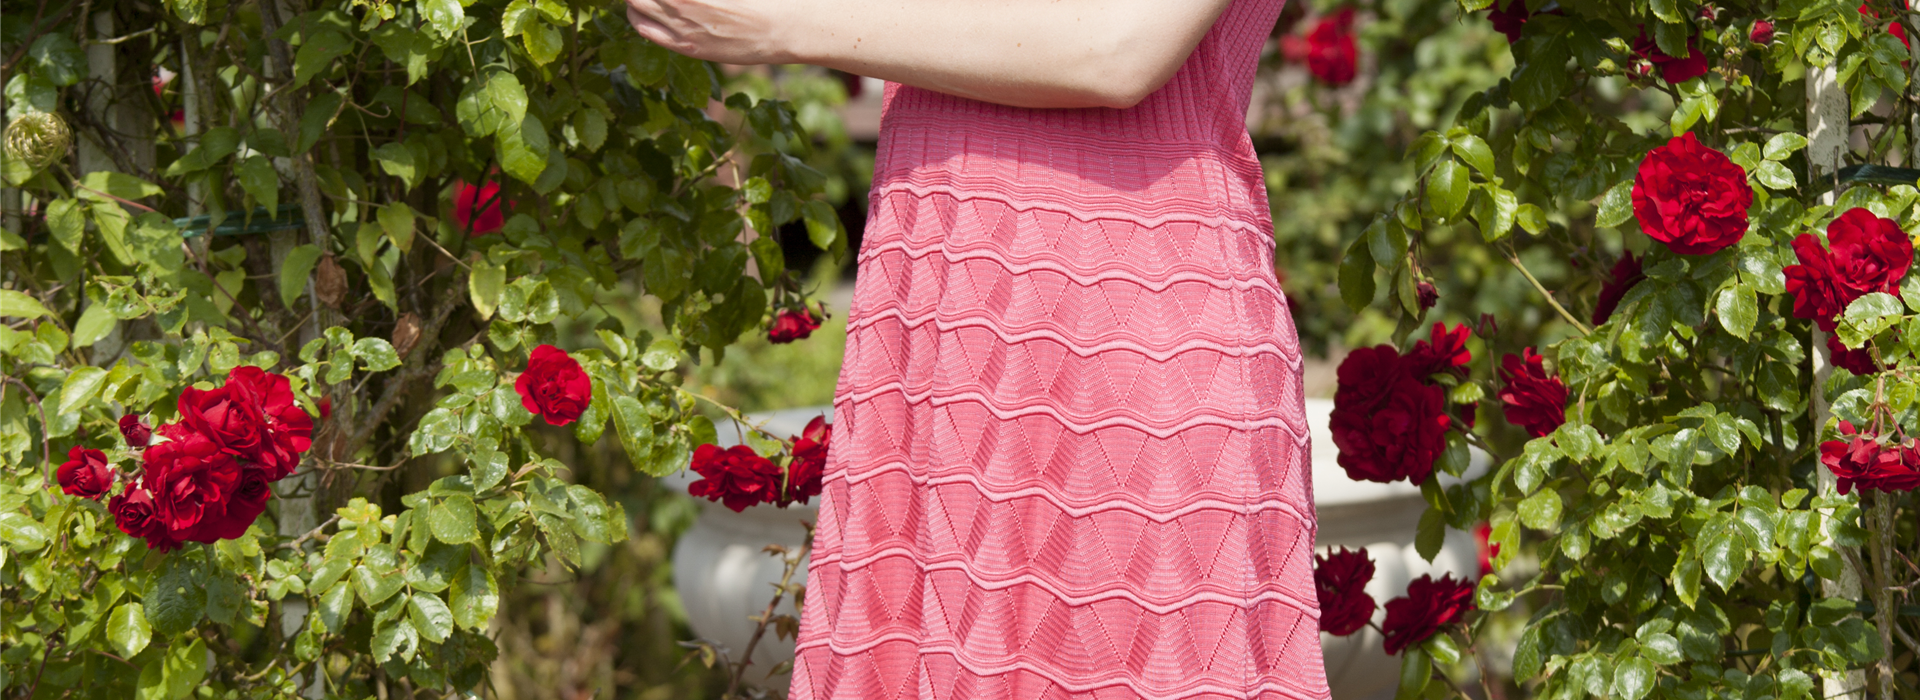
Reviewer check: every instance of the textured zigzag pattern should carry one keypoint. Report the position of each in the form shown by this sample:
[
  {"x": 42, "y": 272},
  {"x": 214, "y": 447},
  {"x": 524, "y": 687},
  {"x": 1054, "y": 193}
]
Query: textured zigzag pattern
[{"x": 1070, "y": 458}]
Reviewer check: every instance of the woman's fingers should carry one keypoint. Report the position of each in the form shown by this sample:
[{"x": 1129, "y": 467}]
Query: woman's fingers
[{"x": 647, "y": 27}]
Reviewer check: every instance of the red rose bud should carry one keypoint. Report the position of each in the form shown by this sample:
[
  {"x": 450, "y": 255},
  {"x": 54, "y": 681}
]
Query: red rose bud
[
  {"x": 1672, "y": 69},
  {"x": 791, "y": 325},
  {"x": 1332, "y": 54},
  {"x": 1626, "y": 273},
  {"x": 1489, "y": 550},
  {"x": 86, "y": 474},
  {"x": 478, "y": 209},
  {"x": 737, "y": 477},
  {"x": 554, "y": 386},
  {"x": 1428, "y": 606},
  {"x": 1708, "y": 13},
  {"x": 1487, "y": 327},
  {"x": 1762, "y": 32},
  {"x": 1532, "y": 399},
  {"x": 136, "y": 514},
  {"x": 135, "y": 430},
  {"x": 808, "y": 464},
  {"x": 1341, "y": 579},
  {"x": 1690, "y": 197},
  {"x": 1427, "y": 295},
  {"x": 325, "y": 404},
  {"x": 1858, "y": 461},
  {"x": 1387, "y": 424},
  {"x": 1857, "y": 361},
  {"x": 1864, "y": 254}
]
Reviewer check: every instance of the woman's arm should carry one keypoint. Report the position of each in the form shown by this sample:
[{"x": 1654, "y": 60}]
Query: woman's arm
[{"x": 1023, "y": 53}]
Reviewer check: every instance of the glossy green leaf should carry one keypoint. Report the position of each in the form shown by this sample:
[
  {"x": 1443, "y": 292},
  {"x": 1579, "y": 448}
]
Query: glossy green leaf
[
  {"x": 1447, "y": 189},
  {"x": 294, "y": 271},
  {"x": 127, "y": 628},
  {"x": 453, "y": 520}
]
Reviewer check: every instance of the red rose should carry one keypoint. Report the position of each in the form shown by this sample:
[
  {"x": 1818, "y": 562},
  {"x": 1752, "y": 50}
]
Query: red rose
[
  {"x": 1626, "y": 273},
  {"x": 135, "y": 430},
  {"x": 1690, "y": 197},
  {"x": 554, "y": 386},
  {"x": 1488, "y": 549},
  {"x": 1427, "y": 294},
  {"x": 484, "y": 201},
  {"x": 791, "y": 325},
  {"x": 737, "y": 477},
  {"x": 1532, "y": 399},
  {"x": 1386, "y": 424},
  {"x": 1428, "y": 606},
  {"x": 1511, "y": 19},
  {"x": 1332, "y": 55},
  {"x": 136, "y": 514},
  {"x": 1762, "y": 32},
  {"x": 1865, "y": 254},
  {"x": 85, "y": 474},
  {"x": 1341, "y": 578},
  {"x": 1858, "y": 361},
  {"x": 1673, "y": 70},
  {"x": 252, "y": 417},
  {"x": 191, "y": 478},
  {"x": 1859, "y": 461},
  {"x": 243, "y": 504},
  {"x": 809, "y": 462},
  {"x": 1443, "y": 351}
]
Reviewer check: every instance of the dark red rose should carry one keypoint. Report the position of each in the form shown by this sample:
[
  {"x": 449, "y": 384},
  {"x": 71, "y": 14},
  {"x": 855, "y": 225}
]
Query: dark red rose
[
  {"x": 1428, "y": 606},
  {"x": 1332, "y": 54},
  {"x": 1762, "y": 32},
  {"x": 136, "y": 514},
  {"x": 1443, "y": 351},
  {"x": 238, "y": 427},
  {"x": 791, "y": 325},
  {"x": 1489, "y": 550},
  {"x": 809, "y": 462},
  {"x": 1386, "y": 424},
  {"x": 554, "y": 386},
  {"x": 1673, "y": 70},
  {"x": 243, "y": 505},
  {"x": 1626, "y": 273},
  {"x": 190, "y": 476},
  {"x": 1532, "y": 398},
  {"x": 479, "y": 208},
  {"x": 1510, "y": 19},
  {"x": 1858, "y": 361},
  {"x": 289, "y": 427},
  {"x": 1427, "y": 294},
  {"x": 135, "y": 430},
  {"x": 1341, "y": 578},
  {"x": 1858, "y": 460},
  {"x": 85, "y": 474},
  {"x": 1690, "y": 197},
  {"x": 737, "y": 477},
  {"x": 1865, "y": 254}
]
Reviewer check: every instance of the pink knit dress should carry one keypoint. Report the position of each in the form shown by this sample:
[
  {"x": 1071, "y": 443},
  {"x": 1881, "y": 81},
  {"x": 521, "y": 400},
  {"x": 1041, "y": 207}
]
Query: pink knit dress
[{"x": 1070, "y": 458}]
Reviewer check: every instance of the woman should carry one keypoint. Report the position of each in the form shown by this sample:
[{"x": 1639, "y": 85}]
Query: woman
[{"x": 1071, "y": 453}]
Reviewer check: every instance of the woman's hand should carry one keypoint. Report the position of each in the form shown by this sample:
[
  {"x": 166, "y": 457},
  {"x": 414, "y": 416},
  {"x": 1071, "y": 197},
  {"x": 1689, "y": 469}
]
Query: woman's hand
[{"x": 741, "y": 32}]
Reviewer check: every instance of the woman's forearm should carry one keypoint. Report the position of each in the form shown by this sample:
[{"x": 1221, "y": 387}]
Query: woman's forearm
[{"x": 1024, "y": 53}]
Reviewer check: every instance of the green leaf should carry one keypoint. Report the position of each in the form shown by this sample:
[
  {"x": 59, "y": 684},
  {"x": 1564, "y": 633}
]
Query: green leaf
[
  {"x": 635, "y": 429},
  {"x": 475, "y": 598},
  {"x": 1356, "y": 276},
  {"x": 1495, "y": 209},
  {"x": 375, "y": 587},
  {"x": 453, "y": 520},
  {"x": 397, "y": 220},
  {"x": 23, "y": 532},
  {"x": 377, "y": 354},
  {"x": 258, "y": 178},
  {"x": 317, "y": 53},
  {"x": 1541, "y": 511},
  {"x": 335, "y": 605},
  {"x": 1616, "y": 206},
  {"x": 1783, "y": 145},
  {"x": 390, "y": 640},
  {"x": 1387, "y": 241},
  {"x": 1475, "y": 152},
  {"x": 1686, "y": 577},
  {"x": 80, "y": 388},
  {"x": 119, "y": 185},
  {"x": 523, "y": 149},
  {"x": 1738, "y": 307},
  {"x": 1447, "y": 189},
  {"x": 1531, "y": 218},
  {"x": 294, "y": 270},
  {"x": 1661, "y": 648},
  {"x": 823, "y": 224},
  {"x": 1432, "y": 533},
  {"x": 398, "y": 160},
  {"x": 489, "y": 468},
  {"x": 430, "y": 617},
  {"x": 1633, "y": 678},
  {"x": 225, "y": 598},
  {"x": 318, "y": 118},
  {"x": 484, "y": 287},
  {"x": 1723, "y": 553},
  {"x": 18, "y": 305},
  {"x": 59, "y": 59},
  {"x": 542, "y": 40},
  {"x": 95, "y": 323},
  {"x": 127, "y": 628},
  {"x": 445, "y": 16},
  {"x": 1416, "y": 670},
  {"x": 176, "y": 600},
  {"x": 67, "y": 222},
  {"x": 1776, "y": 176},
  {"x": 186, "y": 666}
]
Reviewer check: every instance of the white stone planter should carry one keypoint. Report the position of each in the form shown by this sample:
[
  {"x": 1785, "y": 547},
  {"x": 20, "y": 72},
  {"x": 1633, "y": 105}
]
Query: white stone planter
[{"x": 723, "y": 577}]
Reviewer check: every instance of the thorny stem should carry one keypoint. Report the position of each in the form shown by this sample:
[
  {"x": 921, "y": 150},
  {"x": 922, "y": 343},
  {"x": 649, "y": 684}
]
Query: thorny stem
[
  {"x": 793, "y": 560},
  {"x": 1564, "y": 314}
]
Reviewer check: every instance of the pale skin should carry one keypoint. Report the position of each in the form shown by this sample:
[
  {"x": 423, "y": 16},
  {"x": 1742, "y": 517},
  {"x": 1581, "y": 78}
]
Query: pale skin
[{"x": 1022, "y": 53}]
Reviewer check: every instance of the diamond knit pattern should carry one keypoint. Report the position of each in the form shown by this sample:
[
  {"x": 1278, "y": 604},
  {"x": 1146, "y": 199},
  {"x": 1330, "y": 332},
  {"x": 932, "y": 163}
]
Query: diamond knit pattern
[{"x": 1070, "y": 457}]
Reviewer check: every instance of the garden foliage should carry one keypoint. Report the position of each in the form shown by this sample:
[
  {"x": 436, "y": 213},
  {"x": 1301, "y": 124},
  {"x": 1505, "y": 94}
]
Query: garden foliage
[{"x": 349, "y": 251}]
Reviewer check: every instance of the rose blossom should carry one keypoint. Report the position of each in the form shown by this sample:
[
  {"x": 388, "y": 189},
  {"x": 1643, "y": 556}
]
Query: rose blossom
[
  {"x": 791, "y": 325},
  {"x": 737, "y": 477},
  {"x": 1672, "y": 69},
  {"x": 1626, "y": 273},
  {"x": 1762, "y": 32},
  {"x": 1428, "y": 606},
  {"x": 1857, "y": 361},
  {"x": 483, "y": 200},
  {"x": 252, "y": 417},
  {"x": 808, "y": 464},
  {"x": 1332, "y": 55},
  {"x": 191, "y": 479},
  {"x": 135, "y": 513},
  {"x": 1511, "y": 19},
  {"x": 1386, "y": 424},
  {"x": 554, "y": 386},
  {"x": 135, "y": 430},
  {"x": 1532, "y": 398},
  {"x": 1865, "y": 254},
  {"x": 85, "y": 474},
  {"x": 243, "y": 505},
  {"x": 1443, "y": 351},
  {"x": 1860, "y": 461},
  {"x": 1690, "y": 197},
  {"x": 1341, "y": 579},
  {"x": 1488, "y": 549}
]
